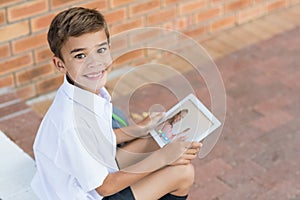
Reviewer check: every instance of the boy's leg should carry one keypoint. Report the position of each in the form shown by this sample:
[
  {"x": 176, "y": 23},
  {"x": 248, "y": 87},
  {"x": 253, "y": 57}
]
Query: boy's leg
[{"x": 175, "y": 180}]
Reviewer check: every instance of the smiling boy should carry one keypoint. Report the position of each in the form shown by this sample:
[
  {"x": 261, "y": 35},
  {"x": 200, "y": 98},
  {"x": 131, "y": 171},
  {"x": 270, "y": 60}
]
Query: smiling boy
[{"x": 76, "y": 148}]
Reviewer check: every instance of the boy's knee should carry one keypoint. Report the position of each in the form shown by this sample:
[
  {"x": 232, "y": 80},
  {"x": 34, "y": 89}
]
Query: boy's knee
[
  {"x": 189, "y": 173},
  {"x": 186, "y": 174},
  {"x": 184, "y": 178}
]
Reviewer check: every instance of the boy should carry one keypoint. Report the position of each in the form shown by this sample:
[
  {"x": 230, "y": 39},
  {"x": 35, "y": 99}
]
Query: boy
[{"x": 75, "y": 148}]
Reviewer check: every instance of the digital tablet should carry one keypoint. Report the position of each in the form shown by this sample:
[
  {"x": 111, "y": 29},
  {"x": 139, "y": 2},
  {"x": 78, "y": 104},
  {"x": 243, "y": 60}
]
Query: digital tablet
[{"x": 188, "y": 120}]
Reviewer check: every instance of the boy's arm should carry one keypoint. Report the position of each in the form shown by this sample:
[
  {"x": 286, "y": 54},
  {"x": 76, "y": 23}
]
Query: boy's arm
[
  {"x": 172, "y": 154},
  {"x": 129, "y": 133},
  {"x": 130, "y": 175},
  {"x": 119, "y": 180},
  {"x": 139, "y": 130}
]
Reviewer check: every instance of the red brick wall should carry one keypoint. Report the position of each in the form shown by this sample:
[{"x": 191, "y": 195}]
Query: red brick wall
[{"x": 25, "y": 60}]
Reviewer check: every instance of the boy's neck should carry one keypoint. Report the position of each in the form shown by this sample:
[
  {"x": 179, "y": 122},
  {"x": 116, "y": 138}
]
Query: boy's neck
[{"x": 70, "y": 80}]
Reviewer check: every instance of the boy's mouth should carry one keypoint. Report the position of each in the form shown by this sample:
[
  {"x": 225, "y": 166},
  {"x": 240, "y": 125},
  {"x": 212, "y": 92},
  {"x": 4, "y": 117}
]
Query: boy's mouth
[{"x": 95, "y": 75}]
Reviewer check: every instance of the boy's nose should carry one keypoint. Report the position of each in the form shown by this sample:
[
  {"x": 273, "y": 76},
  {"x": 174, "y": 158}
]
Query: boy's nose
[{"x": 99, "y": 61}]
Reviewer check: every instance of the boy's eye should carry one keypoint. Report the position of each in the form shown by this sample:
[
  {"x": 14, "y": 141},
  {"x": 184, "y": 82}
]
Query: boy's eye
[
  {"x": 80, "y": 56},
  {"x": 101, "y": 50}
]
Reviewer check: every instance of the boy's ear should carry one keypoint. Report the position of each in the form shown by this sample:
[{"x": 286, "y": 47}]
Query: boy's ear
[{"x": 59, "y": 64}]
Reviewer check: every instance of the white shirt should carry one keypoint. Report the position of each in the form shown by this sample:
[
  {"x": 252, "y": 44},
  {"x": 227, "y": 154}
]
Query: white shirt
[{"x": 75, "y": 146}]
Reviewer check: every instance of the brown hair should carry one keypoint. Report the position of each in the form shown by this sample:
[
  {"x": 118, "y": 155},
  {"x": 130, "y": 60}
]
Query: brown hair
[
  {"x": 171, "y": 120},
  {"x": 74, "y": 22}
]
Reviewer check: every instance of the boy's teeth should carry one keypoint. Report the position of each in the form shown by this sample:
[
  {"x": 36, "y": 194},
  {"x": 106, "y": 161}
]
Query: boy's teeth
[{"x": 94, "y": 75}]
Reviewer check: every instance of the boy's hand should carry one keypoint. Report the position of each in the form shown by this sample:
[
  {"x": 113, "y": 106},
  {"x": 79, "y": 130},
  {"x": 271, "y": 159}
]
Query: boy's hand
[
  {"x": 150, "y": 122},
  {"x": 180, "y": 153}
]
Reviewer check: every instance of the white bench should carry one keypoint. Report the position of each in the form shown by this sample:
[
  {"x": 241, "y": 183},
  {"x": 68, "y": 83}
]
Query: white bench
[{"x": 16, "y": 171}]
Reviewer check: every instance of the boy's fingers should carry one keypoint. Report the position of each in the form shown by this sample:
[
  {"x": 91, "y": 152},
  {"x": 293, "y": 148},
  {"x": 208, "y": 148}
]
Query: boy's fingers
[
  {"x": 193, "y": 145},
  {"x": 154, "y": 114},
  {"x": 189, "y": 157},
  {"x": 192, "y": 151}
]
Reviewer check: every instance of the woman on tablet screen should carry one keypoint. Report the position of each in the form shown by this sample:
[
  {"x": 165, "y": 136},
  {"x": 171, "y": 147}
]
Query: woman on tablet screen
[{"x": 166, "y": 131}]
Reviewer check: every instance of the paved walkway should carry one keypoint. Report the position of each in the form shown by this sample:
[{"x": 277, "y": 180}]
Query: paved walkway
[{"x": 257, "y": 156}]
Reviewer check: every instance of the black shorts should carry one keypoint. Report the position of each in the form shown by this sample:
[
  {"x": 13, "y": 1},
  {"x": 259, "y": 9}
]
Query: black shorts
[{"x": 125, "y": 194}]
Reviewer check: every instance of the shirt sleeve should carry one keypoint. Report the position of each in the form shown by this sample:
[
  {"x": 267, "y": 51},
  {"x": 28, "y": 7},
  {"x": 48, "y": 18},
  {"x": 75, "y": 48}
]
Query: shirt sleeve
[{"x": 74, "y": 159}]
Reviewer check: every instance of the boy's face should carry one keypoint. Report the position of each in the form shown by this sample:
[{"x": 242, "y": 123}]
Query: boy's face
[{"x": 87, "y": 60}]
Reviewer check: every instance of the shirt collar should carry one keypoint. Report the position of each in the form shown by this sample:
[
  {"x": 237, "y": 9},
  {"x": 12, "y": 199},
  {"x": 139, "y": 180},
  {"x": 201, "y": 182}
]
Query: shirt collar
[{"x": 91, "y": 101}]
